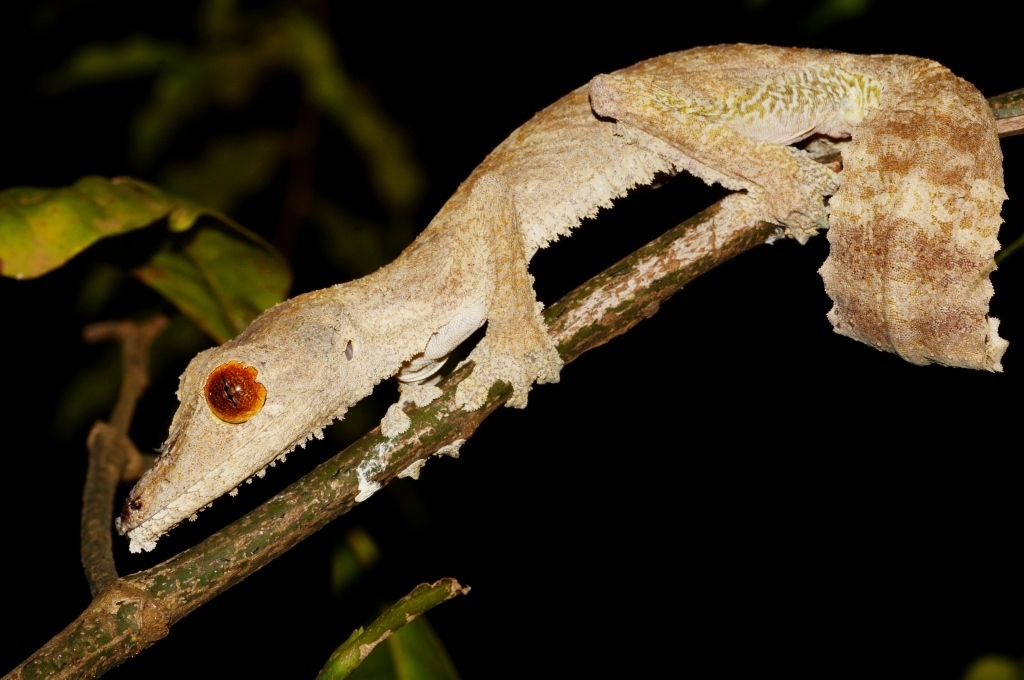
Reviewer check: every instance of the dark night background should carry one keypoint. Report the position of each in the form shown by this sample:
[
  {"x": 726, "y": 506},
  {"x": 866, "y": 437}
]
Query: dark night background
[{"x": 728, "y": 490}]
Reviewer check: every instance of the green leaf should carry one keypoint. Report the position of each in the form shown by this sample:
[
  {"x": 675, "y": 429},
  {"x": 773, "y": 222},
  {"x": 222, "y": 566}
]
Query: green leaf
[
  {"x": 220, "y": 275},
  {"x": 403, "y": 645},
  {"x": 221, "y": 278},
  {"x": 41, "y": 229}
]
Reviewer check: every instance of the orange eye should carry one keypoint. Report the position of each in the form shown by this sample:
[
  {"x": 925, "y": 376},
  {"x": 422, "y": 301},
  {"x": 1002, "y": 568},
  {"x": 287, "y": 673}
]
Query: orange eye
[{"x": 233, "y": 393}]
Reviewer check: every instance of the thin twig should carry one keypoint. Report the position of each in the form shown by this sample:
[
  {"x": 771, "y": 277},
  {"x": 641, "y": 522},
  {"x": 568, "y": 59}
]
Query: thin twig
[
  {"x": 135, "y": 339},
  {"x": 346, "y": 658},
  {"x": 112, "y": 456}
]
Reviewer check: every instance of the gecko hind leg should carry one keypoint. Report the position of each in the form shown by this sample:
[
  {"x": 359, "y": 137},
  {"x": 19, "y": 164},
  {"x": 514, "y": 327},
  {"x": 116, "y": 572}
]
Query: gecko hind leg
[
  {"x": 786, "y": 181},
  {"x": 516, "y": 347}
]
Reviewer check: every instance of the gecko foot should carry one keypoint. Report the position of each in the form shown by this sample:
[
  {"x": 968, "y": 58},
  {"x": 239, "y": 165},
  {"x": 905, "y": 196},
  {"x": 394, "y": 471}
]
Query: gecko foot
[
  {"x": 800, "y": 206},
  {"x": 396, "y": 421},
  {"x": 526, "y": 364}
]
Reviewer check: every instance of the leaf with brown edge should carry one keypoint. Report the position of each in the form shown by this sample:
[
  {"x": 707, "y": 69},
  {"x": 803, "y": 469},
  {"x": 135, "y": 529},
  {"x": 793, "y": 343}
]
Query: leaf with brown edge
[
  {"x": 41, "y": 229},
  {"x": 221, "y": 277}
]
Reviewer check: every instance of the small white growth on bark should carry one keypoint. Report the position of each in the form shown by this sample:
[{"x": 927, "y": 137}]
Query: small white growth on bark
[{"x": 372, "y": 465}]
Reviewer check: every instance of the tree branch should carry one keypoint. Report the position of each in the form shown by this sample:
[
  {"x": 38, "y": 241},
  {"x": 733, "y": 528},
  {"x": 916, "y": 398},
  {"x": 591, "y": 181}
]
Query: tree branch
[
  {"x": 140, "y": 606},
  {"x": 112, "y": 456}
]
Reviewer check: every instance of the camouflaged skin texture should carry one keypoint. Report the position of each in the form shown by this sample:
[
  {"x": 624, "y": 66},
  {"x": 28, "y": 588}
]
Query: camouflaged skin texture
[
  {"x": 913, "y": 230},
  {"x": 914, "y": 224}
]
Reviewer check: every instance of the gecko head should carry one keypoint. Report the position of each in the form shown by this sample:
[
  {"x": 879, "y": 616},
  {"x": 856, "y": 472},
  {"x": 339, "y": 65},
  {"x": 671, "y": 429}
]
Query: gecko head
[{"x": 244, "y": 405}]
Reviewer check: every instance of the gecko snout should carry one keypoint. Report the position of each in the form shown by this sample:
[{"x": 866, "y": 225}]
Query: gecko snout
[{"x": 132, "y": 509}]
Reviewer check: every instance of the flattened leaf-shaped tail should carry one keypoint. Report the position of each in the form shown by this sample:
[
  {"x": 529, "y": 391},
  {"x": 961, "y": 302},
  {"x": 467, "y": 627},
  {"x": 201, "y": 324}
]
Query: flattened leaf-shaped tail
[{"x": 915, "y": 222}]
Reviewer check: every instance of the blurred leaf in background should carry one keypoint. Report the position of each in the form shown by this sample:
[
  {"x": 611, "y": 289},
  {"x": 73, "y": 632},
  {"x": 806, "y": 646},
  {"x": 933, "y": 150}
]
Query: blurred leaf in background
[
  {"x": 229, "y": 170},
  {"x": 353, "y": 557},
  {"x": 994, "y": 667},
  {"x": 223, "y": 70},
  {"x": 824, "y": 15}
]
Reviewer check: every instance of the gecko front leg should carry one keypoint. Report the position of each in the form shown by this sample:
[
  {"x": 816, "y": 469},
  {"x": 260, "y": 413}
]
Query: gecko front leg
[{"x": 516, "y": 347}]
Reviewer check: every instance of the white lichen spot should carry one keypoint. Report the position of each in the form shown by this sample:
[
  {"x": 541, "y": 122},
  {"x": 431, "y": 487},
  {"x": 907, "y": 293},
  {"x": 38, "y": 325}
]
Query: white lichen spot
[{"x": 374, "y": 463}]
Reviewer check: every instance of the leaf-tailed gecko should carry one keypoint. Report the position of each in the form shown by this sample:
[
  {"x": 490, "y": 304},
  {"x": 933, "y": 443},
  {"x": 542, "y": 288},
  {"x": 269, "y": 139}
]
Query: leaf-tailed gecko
[{"x": 913, "y": 221}]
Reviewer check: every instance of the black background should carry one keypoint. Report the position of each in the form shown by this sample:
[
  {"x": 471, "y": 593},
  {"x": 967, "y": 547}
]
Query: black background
[{"x": 728, "y": 490}]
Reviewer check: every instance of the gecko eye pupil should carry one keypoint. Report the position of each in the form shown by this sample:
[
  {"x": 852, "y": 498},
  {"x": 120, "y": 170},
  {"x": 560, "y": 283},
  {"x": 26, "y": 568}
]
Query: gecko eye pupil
[{"x": 233, "y": 393}]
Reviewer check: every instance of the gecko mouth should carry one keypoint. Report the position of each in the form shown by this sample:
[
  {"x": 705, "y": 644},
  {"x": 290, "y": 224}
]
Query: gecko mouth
[
  {"x": 157, "y": 504},
  {"x": 133, "y": 514}
]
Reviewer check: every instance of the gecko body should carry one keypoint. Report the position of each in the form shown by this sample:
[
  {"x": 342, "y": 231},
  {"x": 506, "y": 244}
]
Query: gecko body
[{"x": 922, "y": 175}]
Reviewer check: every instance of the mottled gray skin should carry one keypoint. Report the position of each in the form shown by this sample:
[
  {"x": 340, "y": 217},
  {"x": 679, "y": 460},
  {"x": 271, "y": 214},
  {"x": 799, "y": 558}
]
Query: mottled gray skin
[{"x": 723, "y": 113}]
